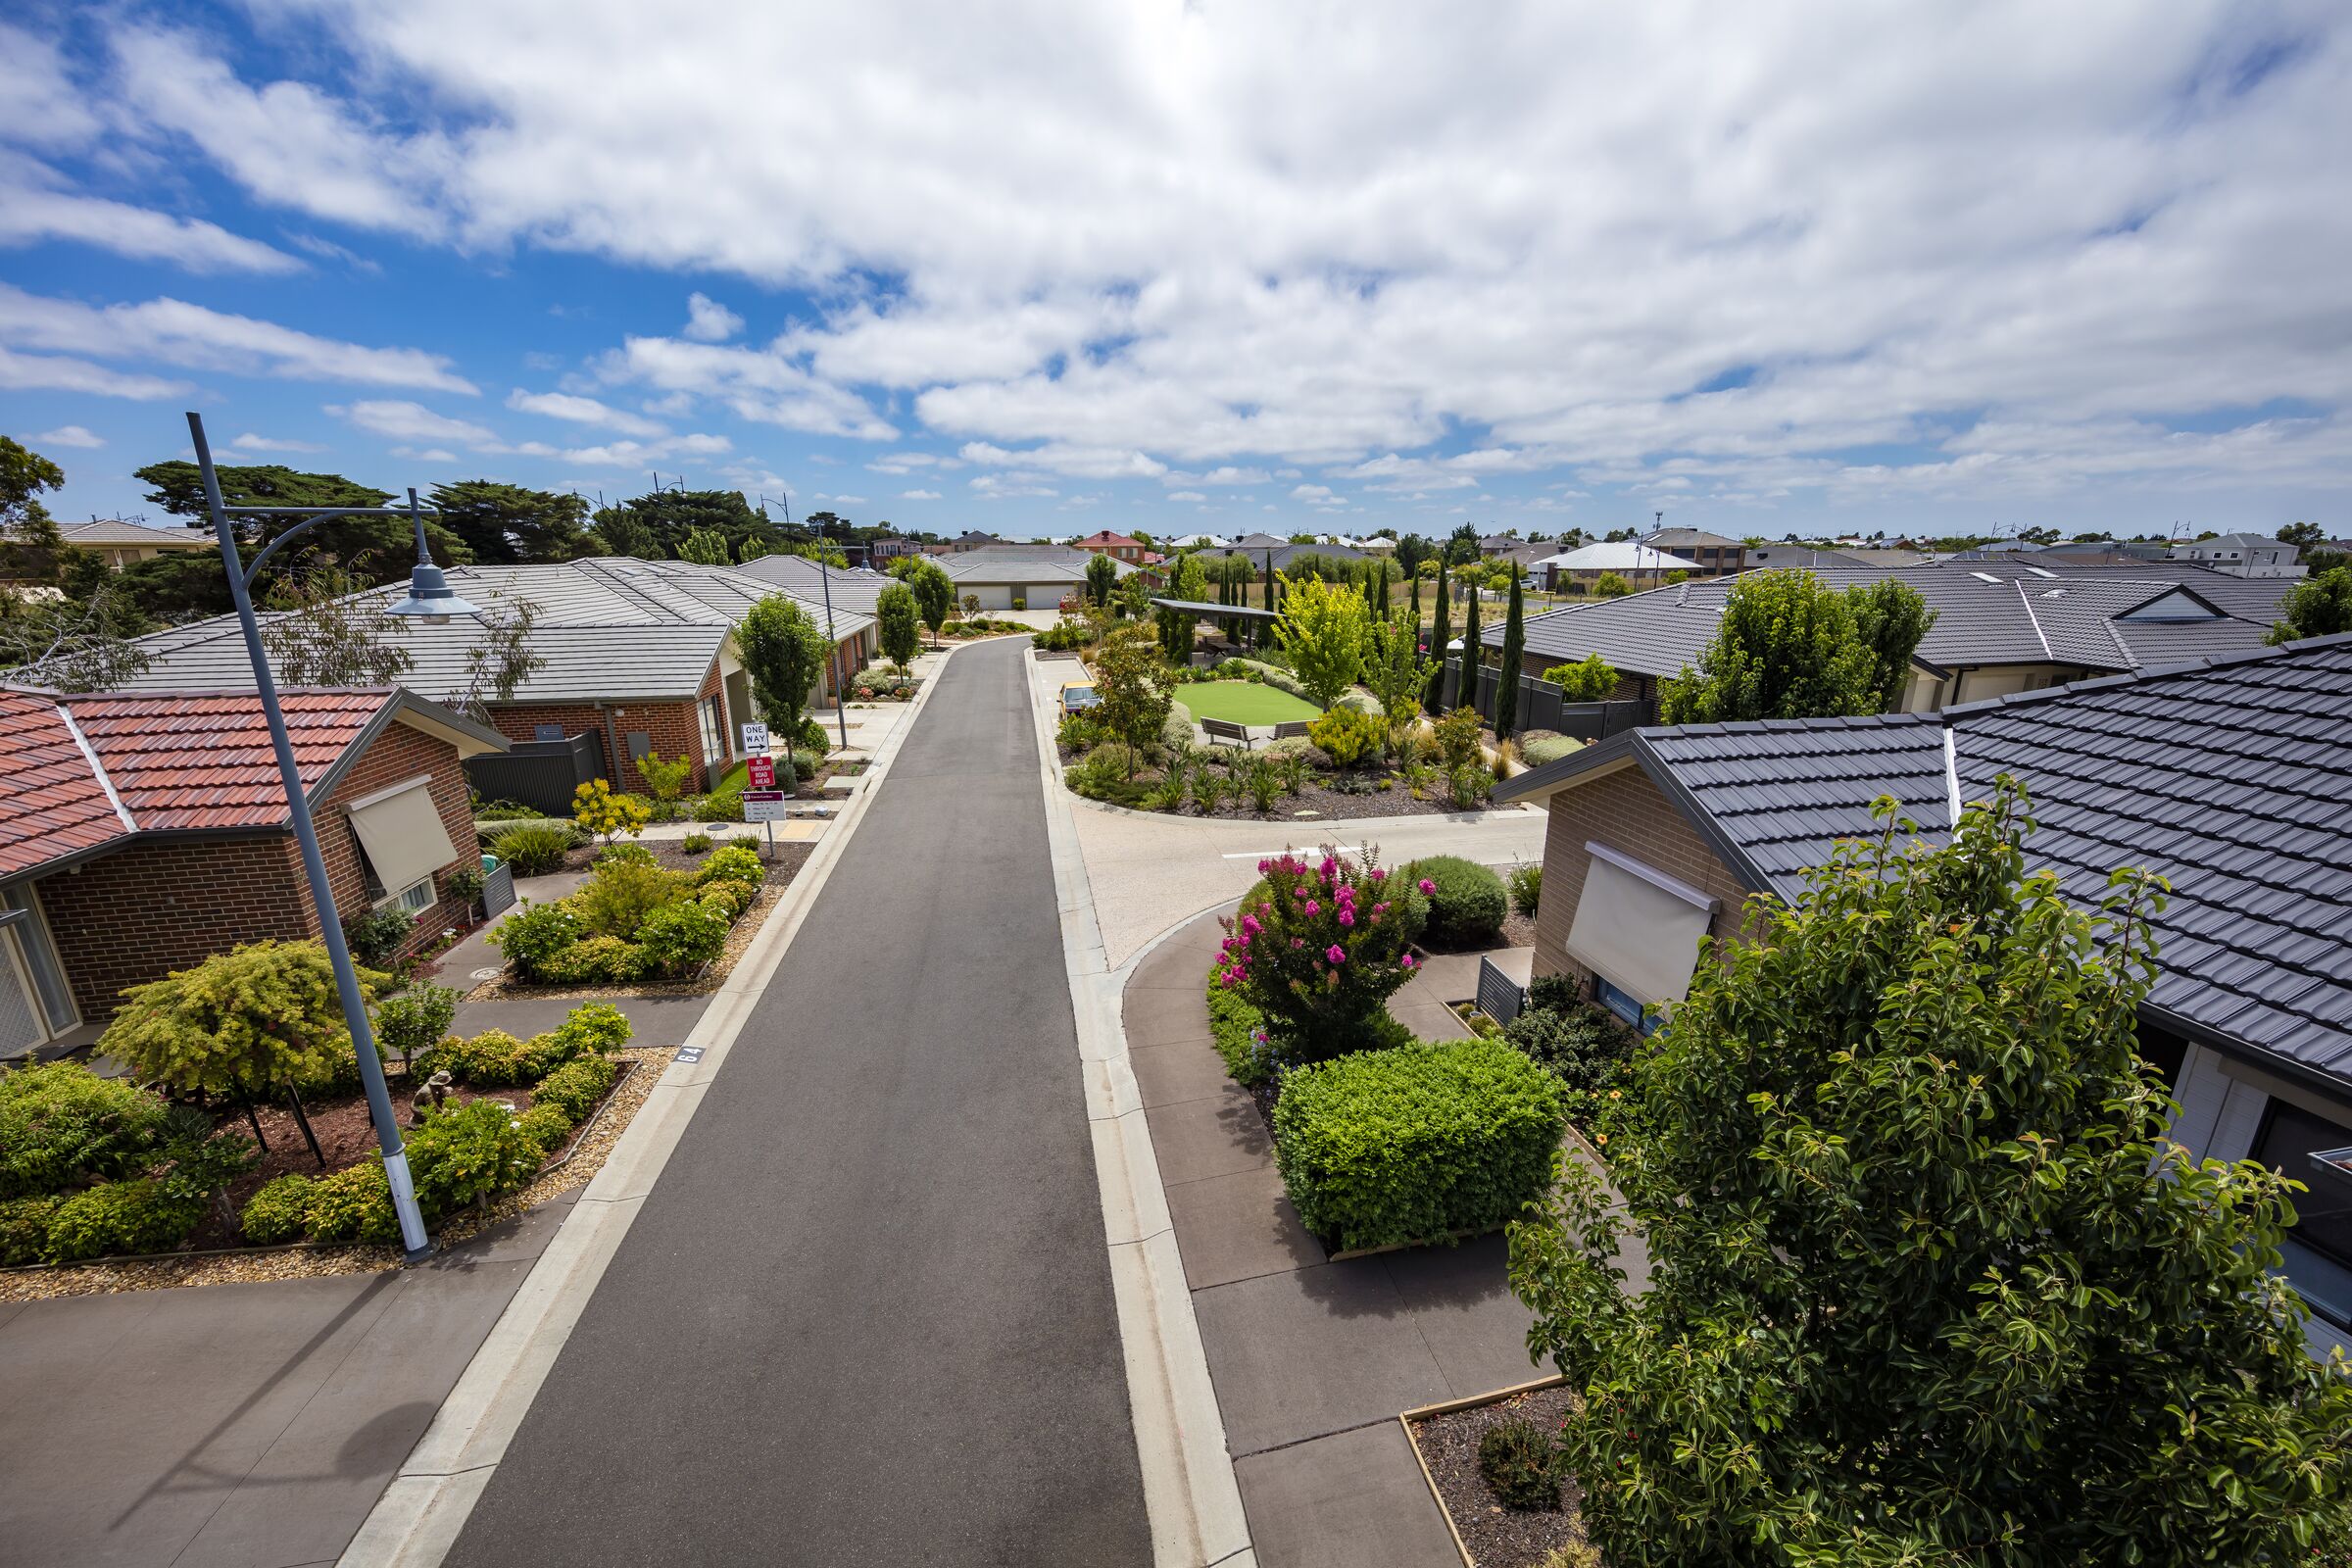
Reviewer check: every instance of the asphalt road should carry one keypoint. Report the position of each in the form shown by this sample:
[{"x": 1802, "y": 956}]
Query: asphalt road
[{"x": 865, "y": 1316}]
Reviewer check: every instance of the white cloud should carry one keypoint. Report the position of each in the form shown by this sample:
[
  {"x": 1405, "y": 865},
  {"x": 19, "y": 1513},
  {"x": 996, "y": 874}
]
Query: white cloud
[
  {"x": 1010, "y": 486},
  {"x": 50, "y": 372},
  {"x": 425, "y": 453},
  {"x": 1572, "y": 238},
  {"x": 251, "y": 442},
  {"x": 902, "y": 464},
  {"x": 581, "y": 410},
  {"x": 709, "y": 321},
  {"x": 918, "y": 495},
  {"x": 30, "y": 213},
  {"x": 69, "y": 436},
  {"x": 1185, "y": 495},
  {"x": 1311, "y": 492},
  {"x": 174, "y": 333},
  {"x": 398, "y": 420}
]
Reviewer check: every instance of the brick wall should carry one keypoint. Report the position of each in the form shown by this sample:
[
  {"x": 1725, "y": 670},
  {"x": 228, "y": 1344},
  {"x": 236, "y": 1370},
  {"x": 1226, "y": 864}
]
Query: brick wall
[
  {"x": 398, "y": 752},
  {"x": 1629, "y": 813},
  {"x": 155, "y": 906},
  {"x": 670, "y": 726}
]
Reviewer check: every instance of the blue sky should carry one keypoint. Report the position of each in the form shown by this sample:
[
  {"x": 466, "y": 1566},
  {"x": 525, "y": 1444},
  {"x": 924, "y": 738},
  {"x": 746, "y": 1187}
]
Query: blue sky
[{"x": 1841, "y": 269}]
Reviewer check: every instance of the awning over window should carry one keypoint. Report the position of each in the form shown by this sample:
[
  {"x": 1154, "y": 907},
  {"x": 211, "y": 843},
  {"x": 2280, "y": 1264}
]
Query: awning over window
[
  {"x": 1636, "y": 928},
  {"x": 403, "y": 835}
]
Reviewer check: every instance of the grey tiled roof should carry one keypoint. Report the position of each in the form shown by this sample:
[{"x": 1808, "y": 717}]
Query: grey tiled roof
[
  {"x": 608, "y": 627},
  {"x": 2018, "y": 616},
  {"x": 2228, "y": 778},
  {"x": 853, "y": 590}
]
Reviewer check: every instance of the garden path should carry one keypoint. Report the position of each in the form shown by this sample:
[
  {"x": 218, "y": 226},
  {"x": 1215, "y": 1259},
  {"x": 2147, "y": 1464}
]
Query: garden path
[{"x": 867, "y": 1315}]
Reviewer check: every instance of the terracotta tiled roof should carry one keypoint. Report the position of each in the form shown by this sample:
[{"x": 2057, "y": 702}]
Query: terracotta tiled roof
[
  {"x": 205, "y": 761},
  {"x": 51, "y": 803}
]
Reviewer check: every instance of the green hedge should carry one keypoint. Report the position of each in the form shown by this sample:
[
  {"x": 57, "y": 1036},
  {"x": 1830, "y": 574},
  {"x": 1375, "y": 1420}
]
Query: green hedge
[
  {"x": 1468, "y": 906},
  {"x": 61, "y": 1125},
  {"x": 1417, "y": 1143}
]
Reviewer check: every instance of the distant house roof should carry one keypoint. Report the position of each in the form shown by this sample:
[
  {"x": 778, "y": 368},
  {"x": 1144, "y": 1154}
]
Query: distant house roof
[
  {"x": 2013, "y": 615},
  {"x": 85, "y": 772},
  {"x": 2226, "y": 776},
  {"x": 853, "y": 590},
  {"x": 115, "y": 531},
  {"x": 1625, "y": 554},
  {"x": 608, "y": 627},
  {"x": 1107, "y": 540},
  {"x": 1010, "y": 564},
  {"x": 1674, "y": 539}
]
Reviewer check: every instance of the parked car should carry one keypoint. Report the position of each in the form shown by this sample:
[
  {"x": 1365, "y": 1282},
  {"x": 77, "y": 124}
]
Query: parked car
[{"x": 1078, "y": 696}]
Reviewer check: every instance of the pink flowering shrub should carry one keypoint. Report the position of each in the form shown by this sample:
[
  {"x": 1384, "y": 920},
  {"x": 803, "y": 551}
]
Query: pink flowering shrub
[{"x": 1318, "y": 948}]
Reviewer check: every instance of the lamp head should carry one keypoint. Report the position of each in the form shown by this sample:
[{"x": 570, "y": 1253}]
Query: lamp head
[{"x": 431, "y": 600}]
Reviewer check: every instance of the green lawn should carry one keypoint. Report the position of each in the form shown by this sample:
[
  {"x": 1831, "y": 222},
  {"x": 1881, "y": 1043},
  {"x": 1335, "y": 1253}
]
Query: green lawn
[{"x": 1243, "y": 701}]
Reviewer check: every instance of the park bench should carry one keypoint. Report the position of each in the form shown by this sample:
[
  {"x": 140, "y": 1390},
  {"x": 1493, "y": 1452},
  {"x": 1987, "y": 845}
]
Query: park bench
[
  {"x": 1225, "y": 729},
  {"x": 1289, "y": 729}
]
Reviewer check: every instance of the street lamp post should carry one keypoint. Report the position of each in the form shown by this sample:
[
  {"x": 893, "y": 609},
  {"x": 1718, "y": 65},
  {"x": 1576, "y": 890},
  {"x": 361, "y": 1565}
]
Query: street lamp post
[
  {"x": 825, "y": 577},
  {"x": 430, "y": 600}
]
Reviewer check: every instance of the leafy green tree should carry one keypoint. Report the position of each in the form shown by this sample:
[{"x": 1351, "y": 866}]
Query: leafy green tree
[
  {"x": 2319, "y": 606},
  {"x": 1461, "y": 546},
  {"x": 1514, "y": 650},
  {"x": 1786, "y": 647},
  {"x": 1929, "y": 1284},
  {"x": 1611, "y": 585},
  {"x": 895, "y": 609},
  {"x": 253, "y": 1018},
  {"x": 1131, "y": 688},
  {"x": 1133, "y": 598},
  {"x": 1101, "y": 576},
  {"x": 31, "y": 548},
  {"x": 934, "y": 592},
  {"x": 1396, "y": 671},
  {"x": 783, "y": 651},
  {"x": 1324, "y": 628},
  {"x": 1411, "y": 551},
  {"x": 2302, "y": 535},
  {"x": 1890, "y": 618},
  {"x": 1591, "y": 679},
  {"x": 668, "y": 517},
  {"x": 508, "y": 523},
  {"x": 623, "y": 533},
  {"x": 704, "y": 547}
]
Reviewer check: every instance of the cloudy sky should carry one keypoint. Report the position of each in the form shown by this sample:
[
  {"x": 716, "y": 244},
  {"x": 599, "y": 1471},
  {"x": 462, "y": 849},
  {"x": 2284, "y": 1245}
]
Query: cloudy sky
[{"x": 1036, "y": 266}]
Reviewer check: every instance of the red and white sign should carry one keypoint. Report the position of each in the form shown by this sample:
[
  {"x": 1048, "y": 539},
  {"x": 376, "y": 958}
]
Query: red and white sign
[
  {"x": 761, "y": 770},
  {"x": 765, "y": 806}
]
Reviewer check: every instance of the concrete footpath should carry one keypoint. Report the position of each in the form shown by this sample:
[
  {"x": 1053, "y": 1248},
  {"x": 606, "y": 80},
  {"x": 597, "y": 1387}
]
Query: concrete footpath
[
  {"x": 234, "y": 1426},
  {"x": 865, "y": 1315}
]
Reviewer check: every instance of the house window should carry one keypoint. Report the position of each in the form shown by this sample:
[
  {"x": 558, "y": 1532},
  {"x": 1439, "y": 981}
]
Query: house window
[
  {"x": 413, "y": 900},
  {"x": 1625, "y": 1005},
  {"x": 2318, "y": 1252},
  {"x": 40, "y": 958},
  {"x": 715, "y": 729}
]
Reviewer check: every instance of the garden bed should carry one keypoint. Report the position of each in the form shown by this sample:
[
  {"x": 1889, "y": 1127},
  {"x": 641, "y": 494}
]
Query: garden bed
[
  {"x": 571, "y": 1165},
  {"x": 1446, "y": 1439},
  {"x": 1316, "y": 802},
  {"x": 785, "y": 865}
]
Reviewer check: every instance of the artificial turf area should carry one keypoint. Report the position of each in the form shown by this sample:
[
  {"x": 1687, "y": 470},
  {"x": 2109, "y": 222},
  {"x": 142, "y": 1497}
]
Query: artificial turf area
[{"x": 1243, "y": 701}]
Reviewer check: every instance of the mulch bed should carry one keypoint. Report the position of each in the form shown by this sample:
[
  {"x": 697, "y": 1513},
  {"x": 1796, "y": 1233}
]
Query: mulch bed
[
  {"x": 789, "y": 858},
  {"x": 1497, "y": 1536},
  {"x": 566, "y": 1170},
  {"x": 1518, "y": 931},
  {"x": 1318, "y": 802}
]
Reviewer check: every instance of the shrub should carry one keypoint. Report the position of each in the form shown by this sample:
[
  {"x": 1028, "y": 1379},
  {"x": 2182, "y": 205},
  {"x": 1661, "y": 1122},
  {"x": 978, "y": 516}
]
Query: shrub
[
  {"x": 409, "y": 1022},
  {"x": 61, "y": 1124},
  {"x": 720, "y": 806},
  {"x": 575, "y": 1086},
  {"x": 1347, "y": 735},
  {"x": 504, "y": 811},
  {"x": 531, "y": 851},
  {"x": 1238, "y": 1032},
  {"x": 1466, "y": 899},
  {"x": 1078, "y": 732},
  {"x": 489, "y": 829},
  {"x": 1541, "y": 749},
  {"x": 1527, "y": 889},
  {"x": 279, "y": 1213},
  {"x": 696, "y": 843},
  {"x": 1417, "y": 1143},
  {"x": 464, "y": 884},
  {"x": 495, "y": 1060},
  {"x": 1263, "y": 779},
  {"x": 1065, "y": 635},
  {"x": 546, "y": 1127},
  {"x": 664, "y": 781},
  {"x": 1591, "y": 679},
  {"x": 145, "y": 1215},
  {"x": 354, "y": 1205},
  {"x": 729, "y": 898},
  {"x": 1319, "y": 951},
  {"x": 608, "y": 813},
  {"x": 617, "y": 898},
  {"x": 534, "y": 934},
  {"x": 375, "y": 938},
  {"x": 593, "y": 1027},
  {"x": 1469, "y": 785},
  {"x": 1176, "y": 731},
  {"x": 24, "y": 1228},
  {"x": 679, "y": 939},
  {"x": 468, "y": 1154},
  {"x": 814, "y": 738},
  {"x": 260, "y": 1015},
  {"x": 594, "y": 961},
  {"x": 1520, "y": 1465},
  {"x": 1456, "y": 738},
  {"x": 631, "y": 854},
  {"x": 733, "y": 862}
]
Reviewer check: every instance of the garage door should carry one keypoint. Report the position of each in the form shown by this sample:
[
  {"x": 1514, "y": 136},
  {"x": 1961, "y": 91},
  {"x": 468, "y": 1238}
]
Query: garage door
[{"x": 992, "y": 596}]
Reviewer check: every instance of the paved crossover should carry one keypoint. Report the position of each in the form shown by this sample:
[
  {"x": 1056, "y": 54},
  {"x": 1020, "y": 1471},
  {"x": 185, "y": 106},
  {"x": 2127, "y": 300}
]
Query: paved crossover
[{"x": 865, "y": 1316}]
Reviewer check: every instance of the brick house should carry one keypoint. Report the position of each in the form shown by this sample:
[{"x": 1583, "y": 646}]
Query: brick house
[
  {"x": 2225, "y": 776},
  {"x": 1117, "y": 546},
  {"x": 639, "y": 655},
  {"x": 142, "y": 833}
]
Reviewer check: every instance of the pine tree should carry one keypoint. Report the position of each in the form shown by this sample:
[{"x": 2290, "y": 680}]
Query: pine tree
[
  {"x": 1467, "y": 696},
  {"x": 1514, "y": 644},
  {"x": 1436, "y": 645}
]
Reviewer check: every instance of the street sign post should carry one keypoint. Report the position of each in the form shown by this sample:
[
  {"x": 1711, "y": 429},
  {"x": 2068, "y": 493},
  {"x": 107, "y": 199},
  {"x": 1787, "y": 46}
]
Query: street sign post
[
  {"x": 755, "y": 738},
  {"x": 765, "y": 806},
  {"x": 761, "y": 771}
]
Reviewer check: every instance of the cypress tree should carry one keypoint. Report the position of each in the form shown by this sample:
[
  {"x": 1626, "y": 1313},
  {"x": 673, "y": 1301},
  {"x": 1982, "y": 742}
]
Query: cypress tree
[
  {"x": 1436, "y": 648},
  {"x": 1470, "y": 653},
  {"x": 1514, "y": 644},
  {"x": 1416, "y": 605}
]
